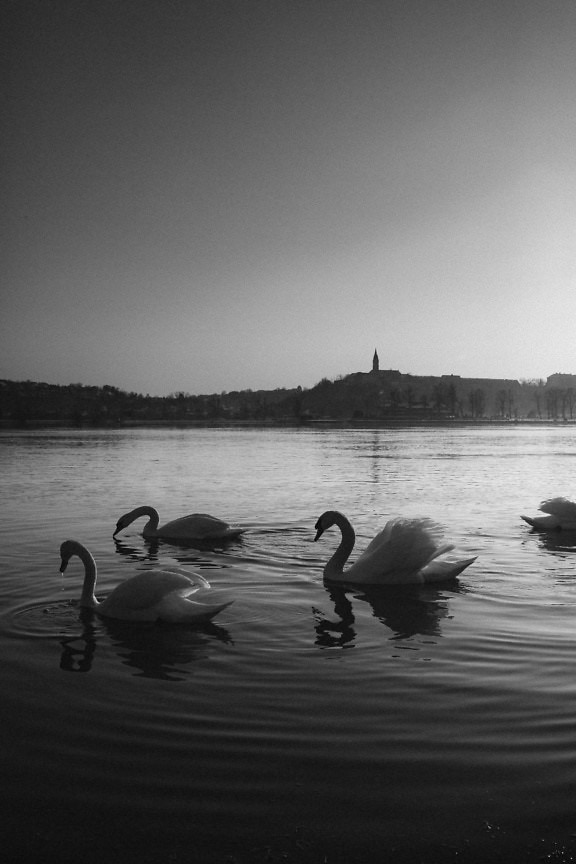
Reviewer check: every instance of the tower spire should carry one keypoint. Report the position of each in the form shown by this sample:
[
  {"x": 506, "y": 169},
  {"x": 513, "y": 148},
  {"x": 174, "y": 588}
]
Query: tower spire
[{"x": 375, "y": 362}]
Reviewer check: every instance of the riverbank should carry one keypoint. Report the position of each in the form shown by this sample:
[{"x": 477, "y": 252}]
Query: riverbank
[{"x": 333, "y": 423}]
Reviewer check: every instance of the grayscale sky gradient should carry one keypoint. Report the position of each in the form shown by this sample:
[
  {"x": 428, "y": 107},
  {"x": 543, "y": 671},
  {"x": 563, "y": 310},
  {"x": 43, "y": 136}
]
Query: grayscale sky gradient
[{"x": 202, "y": 195}]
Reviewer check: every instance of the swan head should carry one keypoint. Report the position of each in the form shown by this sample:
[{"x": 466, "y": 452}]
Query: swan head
[
  {"x": 122, "y": 523},
  {"x": 67, "y": 550},
  {"x": 326, "y": 520}
]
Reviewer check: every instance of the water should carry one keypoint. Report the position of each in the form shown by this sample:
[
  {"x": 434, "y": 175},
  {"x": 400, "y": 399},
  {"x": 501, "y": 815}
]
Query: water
[{"x": 303, "y": 724}]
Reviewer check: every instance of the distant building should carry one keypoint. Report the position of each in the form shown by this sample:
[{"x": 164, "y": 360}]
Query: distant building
[
  {"x": 561, "y": 379},
  {"x": 375, "y": 362}
]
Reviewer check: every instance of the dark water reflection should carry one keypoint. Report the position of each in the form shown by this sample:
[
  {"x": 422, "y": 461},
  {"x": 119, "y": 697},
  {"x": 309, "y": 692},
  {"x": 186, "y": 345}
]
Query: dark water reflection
[
  {"x": 161, "y": 651},
  {"x": 408, "y": 611},
  {"x": 558, "y": 541},
  {"x": 150, "y": 551}
]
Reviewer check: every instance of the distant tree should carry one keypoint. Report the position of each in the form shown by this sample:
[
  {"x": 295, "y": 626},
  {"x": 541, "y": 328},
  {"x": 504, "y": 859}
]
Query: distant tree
[
  {"x": 566, "y": 402},
  {"x": 538, "y": 400},
  {"x": 510, "y": 402},
  {"x": 451, "y": 398},
  {"x": 501, "y": 399},
  {"x": 480, "y": 402},
  {"x": 552, "y": 400},
  {"x": 477, "y": 402},
  {"x": 214, "y": 406},
  {"x": 439, "y": 396}
]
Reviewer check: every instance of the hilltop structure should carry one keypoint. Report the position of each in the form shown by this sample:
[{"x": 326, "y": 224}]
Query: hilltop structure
[{"x": 377, "y": 396}]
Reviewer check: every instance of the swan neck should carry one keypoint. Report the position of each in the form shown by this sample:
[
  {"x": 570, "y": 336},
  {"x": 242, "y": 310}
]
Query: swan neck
[
  {"x": 151, "y": 526},
  {"x": 334, "y": 569},
  {"x": 88, "y": 598}
]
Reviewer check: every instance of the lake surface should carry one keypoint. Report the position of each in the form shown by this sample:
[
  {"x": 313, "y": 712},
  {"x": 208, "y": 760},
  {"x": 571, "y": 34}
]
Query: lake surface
[{"x": 430, "y": 724}]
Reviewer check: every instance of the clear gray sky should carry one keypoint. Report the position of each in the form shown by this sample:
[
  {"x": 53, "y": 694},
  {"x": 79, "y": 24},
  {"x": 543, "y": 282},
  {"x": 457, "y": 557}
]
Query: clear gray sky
[{"x": 209, "y": 195}]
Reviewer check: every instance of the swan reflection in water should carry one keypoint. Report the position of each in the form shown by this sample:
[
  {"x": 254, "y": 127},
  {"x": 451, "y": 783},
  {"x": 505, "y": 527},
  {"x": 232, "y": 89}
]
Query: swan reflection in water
[
  {"x": 153, "y": 650},
  {"x": 137, "y": 553},
  {"x": 560, "y": 541},
  {"x": 150, "y": 553},
  {"x": 408, "y": 611}
]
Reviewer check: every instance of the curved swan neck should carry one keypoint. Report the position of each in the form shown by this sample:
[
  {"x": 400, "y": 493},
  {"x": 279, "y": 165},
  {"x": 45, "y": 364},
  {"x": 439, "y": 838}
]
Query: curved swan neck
[
  {"x": 153, "y": 519},
  {"x": 87, "y": 598},
  {"x": 334, "y": 568}
]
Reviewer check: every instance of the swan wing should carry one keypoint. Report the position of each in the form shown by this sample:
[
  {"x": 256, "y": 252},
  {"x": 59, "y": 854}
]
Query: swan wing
[
  {"x": 146, "y": 589},
  {"x": 200, "y": 526},
  {"x": 408, "y": 540},
  {"x": 404, "y": 545},
  {"x": 176, "y": 609},
  {"x": 190, "y": 575},
  {"x": 563, "y": 508},
  {"x": 377, "y": 541}
]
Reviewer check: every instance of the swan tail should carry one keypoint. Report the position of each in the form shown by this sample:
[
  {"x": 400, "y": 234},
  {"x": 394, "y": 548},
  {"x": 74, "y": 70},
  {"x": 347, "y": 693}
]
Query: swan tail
[
  {"x": 175, "y": 609},
  {"x": 528, "y": 520},
  {"x": 231, "y": 533},
  {"x": 203, "y": 612},
  {"x": 439, "y": 571},
  {"x": 550, "y": 522},
  {"x": 460, "y": 566}
]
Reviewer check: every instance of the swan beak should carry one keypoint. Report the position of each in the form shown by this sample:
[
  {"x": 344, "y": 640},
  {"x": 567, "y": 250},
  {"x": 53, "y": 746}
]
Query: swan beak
[
  {"x": 319, "y": 531},
  {"x": 63, "y": 565}
]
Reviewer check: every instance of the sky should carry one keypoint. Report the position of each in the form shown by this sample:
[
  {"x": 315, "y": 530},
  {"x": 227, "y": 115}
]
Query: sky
[{"x": 214, "y": 195}]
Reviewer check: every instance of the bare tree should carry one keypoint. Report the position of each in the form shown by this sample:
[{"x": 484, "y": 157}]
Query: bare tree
[{"x": 477, "y": 402}]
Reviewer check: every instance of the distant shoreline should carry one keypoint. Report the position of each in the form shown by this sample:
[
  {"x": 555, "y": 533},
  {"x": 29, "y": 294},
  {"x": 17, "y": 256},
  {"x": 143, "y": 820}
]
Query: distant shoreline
[
  {"x": 387, "y": 400},
  {"x": 319, "y": 423}
]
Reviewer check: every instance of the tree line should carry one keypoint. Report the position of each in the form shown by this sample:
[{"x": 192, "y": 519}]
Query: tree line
[{"x": 357, "y": 397}]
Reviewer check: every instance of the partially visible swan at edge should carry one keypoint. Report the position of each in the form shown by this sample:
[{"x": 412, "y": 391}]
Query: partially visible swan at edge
[
  {"x": 560, "y": 516},
  {"x": 406, "y": 551},
  {"x": 196, "y": 526},
  {"x": 152, "y": 595}
]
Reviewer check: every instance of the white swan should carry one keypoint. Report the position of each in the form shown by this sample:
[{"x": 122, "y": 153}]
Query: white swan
[
  {"x": 406, "y": 551},
  {"x": 152, "y": 595},
  {"x": 560, "y": 516},
  {"x": 197, "y": 526}
]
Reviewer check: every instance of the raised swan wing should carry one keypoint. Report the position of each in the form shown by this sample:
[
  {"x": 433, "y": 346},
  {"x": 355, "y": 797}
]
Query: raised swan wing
[
  {"x": 404, "y": 545},
  {"x": 563, "y": 508}
]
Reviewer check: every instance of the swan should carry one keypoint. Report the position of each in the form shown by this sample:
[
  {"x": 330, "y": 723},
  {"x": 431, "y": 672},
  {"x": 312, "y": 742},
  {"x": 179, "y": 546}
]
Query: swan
[
  {"x": 560, "y": 515},
  {"x": 197, "y": 526},
  {"x": 152, "y": 595},
  {"x": 406, "y": 551}
]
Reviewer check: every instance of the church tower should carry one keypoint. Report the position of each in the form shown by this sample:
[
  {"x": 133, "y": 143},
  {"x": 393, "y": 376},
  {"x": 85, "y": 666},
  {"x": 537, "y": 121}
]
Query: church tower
[{"x": 375, "y": 362}]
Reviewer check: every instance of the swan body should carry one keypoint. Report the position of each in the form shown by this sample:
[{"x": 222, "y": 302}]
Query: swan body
[
  {"x": 406, "y": 551},
  {"x": 196, "y": 526},
  {"x": 152, "y": 595},
  {"x": 560, "y": 515}
]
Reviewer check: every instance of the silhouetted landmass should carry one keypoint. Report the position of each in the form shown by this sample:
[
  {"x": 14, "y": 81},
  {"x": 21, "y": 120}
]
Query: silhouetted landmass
[{"x": 380, "y": 397}]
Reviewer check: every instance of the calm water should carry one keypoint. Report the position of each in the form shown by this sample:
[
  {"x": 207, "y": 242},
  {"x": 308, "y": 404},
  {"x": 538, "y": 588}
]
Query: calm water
[{"x": 302, "y": 725}]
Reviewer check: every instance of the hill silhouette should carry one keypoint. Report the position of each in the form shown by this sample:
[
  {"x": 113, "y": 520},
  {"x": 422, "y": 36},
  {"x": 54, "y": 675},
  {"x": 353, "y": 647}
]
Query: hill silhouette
[{"x": 380, "y": 397}]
